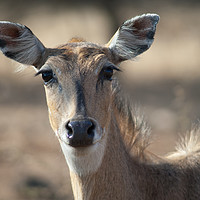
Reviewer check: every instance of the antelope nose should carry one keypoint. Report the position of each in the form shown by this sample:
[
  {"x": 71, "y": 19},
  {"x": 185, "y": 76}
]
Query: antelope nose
[{"x": 80, "y": 133}]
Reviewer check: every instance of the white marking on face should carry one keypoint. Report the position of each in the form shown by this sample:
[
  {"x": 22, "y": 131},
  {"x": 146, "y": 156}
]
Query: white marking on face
[{"x": 84, "y": 160}]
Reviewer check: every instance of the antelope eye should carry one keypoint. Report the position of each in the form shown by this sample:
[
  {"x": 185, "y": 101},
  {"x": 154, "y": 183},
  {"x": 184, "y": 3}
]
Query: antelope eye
[
  {"x": 47, "y": 76},
  {"x": 108, "y": 73}
]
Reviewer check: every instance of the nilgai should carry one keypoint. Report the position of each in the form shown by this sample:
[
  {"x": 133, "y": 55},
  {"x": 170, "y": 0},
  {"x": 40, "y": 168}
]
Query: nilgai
[{"x": 102, "y": 138}]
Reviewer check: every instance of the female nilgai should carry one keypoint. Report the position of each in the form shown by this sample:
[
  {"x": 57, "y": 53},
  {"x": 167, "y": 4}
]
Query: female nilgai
[{"x": 103, "y": 141}]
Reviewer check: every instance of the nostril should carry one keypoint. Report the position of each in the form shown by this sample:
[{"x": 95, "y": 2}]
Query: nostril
[
  {"x": 90, "y": 130},
  {"x": 80, "y": 132},
  {"x": 69, "y": 130}
]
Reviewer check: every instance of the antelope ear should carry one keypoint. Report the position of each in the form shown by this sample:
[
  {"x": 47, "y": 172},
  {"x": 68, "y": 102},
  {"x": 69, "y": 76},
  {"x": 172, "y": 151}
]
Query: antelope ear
[
  {"x": 134, "y": 37},
  {"x": 20, "y": 44}
]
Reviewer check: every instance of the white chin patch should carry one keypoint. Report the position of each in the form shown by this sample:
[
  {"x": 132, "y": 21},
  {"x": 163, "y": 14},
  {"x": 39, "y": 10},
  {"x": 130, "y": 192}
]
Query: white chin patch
[{"x": 84, "y": 160}]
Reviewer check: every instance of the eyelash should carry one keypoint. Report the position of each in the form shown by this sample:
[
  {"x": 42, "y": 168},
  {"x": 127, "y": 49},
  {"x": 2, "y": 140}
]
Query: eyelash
[
  {"x": 47, "y": 76},
  {"x": 107, "y": 72}
]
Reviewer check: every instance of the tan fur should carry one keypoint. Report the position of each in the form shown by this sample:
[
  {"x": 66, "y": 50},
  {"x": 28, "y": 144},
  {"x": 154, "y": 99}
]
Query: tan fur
[
  {"x": 117, "y": 165},
  {"x": 75, "y": 39},
  {"x": 189, "y": 145}
]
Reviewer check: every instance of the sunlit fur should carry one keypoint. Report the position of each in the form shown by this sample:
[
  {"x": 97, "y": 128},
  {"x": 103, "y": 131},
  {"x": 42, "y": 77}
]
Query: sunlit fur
[{"x": 189, "y": 145}]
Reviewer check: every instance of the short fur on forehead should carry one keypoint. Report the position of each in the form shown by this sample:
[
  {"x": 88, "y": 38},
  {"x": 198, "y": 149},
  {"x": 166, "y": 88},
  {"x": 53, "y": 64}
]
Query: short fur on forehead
[{"x": 76, "y": 39}]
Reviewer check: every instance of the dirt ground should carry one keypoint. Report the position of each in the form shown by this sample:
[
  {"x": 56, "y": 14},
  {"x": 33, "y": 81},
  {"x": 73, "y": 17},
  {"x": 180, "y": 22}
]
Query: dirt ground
[{"x": 165, "y": 84}]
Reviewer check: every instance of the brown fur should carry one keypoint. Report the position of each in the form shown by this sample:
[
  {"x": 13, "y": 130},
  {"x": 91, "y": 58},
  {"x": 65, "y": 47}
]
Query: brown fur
[
  {"x": 118, "y": 165},
  {"x": 126, "y": 176},
  {"x": 128, "y": 170}
]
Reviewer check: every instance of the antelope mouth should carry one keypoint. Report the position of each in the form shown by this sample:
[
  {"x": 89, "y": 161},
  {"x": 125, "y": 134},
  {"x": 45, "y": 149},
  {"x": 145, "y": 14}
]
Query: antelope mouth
[{"x": 84, "y": 158}]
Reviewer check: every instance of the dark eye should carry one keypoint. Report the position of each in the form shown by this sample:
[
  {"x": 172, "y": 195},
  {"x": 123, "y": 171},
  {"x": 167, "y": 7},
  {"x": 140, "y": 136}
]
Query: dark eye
[
  {"x": 107, "y": 73},
  {"x": 47, "y": 76}
]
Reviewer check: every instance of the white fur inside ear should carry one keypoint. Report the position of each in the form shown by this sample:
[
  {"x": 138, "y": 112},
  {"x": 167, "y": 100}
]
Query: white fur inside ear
[
  {"x": 134, "y": 36},
  {"x": 24, "y": 47}
]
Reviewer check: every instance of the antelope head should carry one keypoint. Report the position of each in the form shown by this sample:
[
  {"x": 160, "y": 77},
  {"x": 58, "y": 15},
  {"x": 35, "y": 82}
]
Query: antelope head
[{"x": 78, "y": 80}]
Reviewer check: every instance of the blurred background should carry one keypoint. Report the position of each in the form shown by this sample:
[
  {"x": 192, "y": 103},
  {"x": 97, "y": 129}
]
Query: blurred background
[{"x": 165, "y": 82}]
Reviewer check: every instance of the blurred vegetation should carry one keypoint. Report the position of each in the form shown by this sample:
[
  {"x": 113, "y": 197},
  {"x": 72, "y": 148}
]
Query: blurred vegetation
[{"x": 20, "y": 8}]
